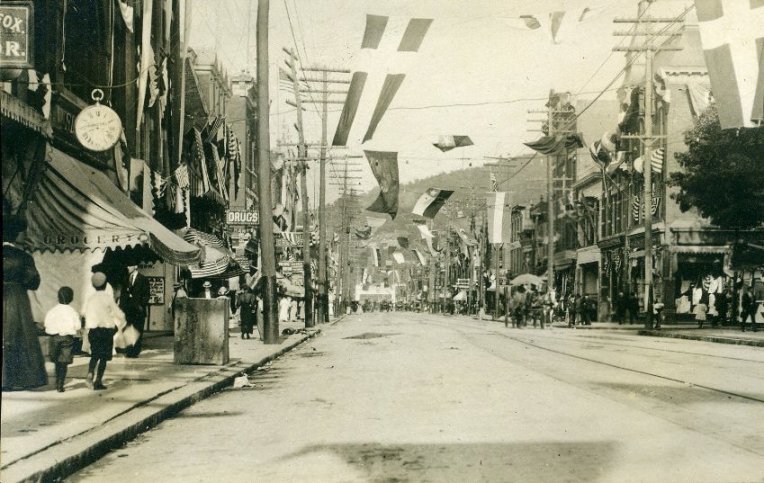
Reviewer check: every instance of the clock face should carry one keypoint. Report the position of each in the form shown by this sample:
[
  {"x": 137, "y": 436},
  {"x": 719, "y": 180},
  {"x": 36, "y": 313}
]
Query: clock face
[{"x": 97, "y": 127}]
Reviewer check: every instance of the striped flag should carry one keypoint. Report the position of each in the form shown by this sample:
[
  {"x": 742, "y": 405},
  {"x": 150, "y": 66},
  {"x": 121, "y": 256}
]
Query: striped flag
[
  {"x": 733, "y": 44},
  {"x": 388, "y": 42},
  {"x": 431, "y": 202},
  {"x": 181, "y": 176},
  {"x": 656, "y": 161},
  {"x": 495, "y": 212}
]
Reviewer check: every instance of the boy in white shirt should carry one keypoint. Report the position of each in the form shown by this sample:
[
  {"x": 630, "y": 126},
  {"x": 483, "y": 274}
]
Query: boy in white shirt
[
  {"x": 101, "y": 315},
  {"x": 62, "y": 322}
]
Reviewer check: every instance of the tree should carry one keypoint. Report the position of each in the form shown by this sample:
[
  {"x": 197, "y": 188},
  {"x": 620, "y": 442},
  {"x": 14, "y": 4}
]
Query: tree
[{"x": 723, "y": 173}]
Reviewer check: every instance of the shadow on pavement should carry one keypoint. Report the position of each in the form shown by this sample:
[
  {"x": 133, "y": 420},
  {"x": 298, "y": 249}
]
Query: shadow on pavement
[{"x": 542, "y": 461}]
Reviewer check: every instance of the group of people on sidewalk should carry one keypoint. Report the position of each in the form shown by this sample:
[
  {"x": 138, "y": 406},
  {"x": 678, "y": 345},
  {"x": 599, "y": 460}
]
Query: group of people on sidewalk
[{"x": 108, "y": 315}]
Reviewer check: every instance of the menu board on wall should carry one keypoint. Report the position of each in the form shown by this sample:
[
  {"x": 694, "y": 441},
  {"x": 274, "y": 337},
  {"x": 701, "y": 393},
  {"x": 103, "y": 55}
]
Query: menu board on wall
[{"x": 156, "y": 289}]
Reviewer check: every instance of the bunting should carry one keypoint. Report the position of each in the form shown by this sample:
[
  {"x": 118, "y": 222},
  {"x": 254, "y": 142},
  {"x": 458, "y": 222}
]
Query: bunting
[
  {"x": 656, "y": 161},
  {"x": 556, "y": 144}
]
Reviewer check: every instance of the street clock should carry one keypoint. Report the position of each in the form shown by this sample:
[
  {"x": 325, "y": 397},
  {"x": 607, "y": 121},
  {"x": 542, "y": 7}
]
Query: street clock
[{"x": 98, "y": 127}]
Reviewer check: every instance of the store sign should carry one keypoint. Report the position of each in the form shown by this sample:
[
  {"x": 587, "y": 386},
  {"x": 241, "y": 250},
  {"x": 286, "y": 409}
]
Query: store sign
[
  {"x": 462, "y": 283},
  {"x": 16, "y": 36},
  {"x": 242, "y": 217}
]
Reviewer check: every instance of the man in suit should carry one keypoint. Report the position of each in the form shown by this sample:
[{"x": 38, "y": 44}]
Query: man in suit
[{"x": 133, "y": 301}]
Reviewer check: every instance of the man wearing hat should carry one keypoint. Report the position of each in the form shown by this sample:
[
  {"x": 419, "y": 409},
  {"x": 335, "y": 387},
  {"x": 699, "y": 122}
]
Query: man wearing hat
[
  {"x": 101, "y": 313},
  {"x": 207, "y": 290},
  {"x": 134, "y": 301}
]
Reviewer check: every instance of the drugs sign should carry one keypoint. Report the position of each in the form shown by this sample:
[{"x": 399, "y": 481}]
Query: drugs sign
[
  {"x": 242, "y": 218},
  {"x": 16, "y": 39}
]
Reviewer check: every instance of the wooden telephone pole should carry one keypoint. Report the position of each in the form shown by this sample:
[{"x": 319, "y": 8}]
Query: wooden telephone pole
[
  {"x": 302, "y": 153},
  {"x": 325, "y": 82},
  {"x": 551, "y": 161},
  {"x": 348, "y": 196},
  {"x": 643, "y": 28},
  {"x": 267, "y": 244}
]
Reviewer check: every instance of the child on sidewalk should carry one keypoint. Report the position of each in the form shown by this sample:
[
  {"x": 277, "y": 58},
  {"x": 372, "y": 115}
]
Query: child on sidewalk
[
  {"x": 700, "y": 314},
  {"x": 101, "y": 318},
  {"x": 62, "y": 323}
]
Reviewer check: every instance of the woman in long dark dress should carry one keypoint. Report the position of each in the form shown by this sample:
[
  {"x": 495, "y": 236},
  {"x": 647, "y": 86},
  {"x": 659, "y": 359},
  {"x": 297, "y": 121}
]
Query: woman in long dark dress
[
  {"x": 23, "y": 363},
  {"x": 247, "y": 308}
]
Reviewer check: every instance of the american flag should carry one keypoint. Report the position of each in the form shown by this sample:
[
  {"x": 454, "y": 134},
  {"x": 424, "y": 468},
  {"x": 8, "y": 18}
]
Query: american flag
[{"x": 181, "y": 176}]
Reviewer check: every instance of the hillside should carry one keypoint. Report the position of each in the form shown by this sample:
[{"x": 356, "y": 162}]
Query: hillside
[{"x": 470, "y": 186}]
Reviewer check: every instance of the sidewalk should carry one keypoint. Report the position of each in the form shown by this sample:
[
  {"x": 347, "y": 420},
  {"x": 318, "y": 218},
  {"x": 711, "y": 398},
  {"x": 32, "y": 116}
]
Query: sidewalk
[
  {"x": 48, "y": 435},
  {"x": 688, "y": 331}
]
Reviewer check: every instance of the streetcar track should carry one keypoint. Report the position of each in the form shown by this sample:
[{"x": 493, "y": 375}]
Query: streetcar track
[{"x": 595, "y": 361}]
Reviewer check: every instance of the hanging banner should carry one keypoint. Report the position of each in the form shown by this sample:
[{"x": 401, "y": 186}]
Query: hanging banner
[{"x": 495, "y": 215}]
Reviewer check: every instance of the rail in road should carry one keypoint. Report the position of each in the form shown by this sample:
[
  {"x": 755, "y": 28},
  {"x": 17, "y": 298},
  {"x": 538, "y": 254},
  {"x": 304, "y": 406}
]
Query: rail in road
[{"x": 530, "y": 341}]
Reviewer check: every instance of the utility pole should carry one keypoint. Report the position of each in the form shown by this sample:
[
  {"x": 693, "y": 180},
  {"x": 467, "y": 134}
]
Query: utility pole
[
  {"x": 348, "y": 195},
  {"x": 551, "y": 161},
  {"x": 302, "y": 153},
  {"x": 323, "y": 282},
  {"x": 267, "y": 245},
  {"x": 643, "y": 27}
]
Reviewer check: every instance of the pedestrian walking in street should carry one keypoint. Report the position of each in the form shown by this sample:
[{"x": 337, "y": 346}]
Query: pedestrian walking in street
[
  {"x": 63, "y": 324},
  {"x": 102, "y": 316},
  {"x": 23, "y": 362},
  {"x": 247, "y": 312},
  {"x": 133, "y": 301},
  {"x": 747, "y": 309}
]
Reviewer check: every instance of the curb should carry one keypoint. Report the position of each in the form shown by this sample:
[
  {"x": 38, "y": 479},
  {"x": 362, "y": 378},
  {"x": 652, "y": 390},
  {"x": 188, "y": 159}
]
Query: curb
[
  {"x": 70, "y": 455},
  {"x": 715, "y": 339}
]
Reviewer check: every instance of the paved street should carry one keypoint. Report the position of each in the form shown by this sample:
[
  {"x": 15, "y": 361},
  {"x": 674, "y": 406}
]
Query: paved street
[{"x": 416, "y": 397}]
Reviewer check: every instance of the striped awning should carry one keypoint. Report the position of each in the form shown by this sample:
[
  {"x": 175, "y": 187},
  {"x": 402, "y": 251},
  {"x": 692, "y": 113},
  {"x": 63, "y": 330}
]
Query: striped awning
[
  {"x": 76, "y": 207},
  {"x": 217, "y": 259}
]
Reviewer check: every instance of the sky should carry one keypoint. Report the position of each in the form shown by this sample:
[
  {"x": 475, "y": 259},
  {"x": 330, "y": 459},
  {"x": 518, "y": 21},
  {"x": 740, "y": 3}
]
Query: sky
[{"x": 477, "y": 72}]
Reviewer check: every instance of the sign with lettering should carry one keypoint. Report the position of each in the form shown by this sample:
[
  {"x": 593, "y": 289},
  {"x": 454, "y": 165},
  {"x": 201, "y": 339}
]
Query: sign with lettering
[
  {"x": 235, "y": 217},
  {"x": 16, "y": 35},
  {"x": 462, "y": 282},
  {"x": 156, "y": 290}
]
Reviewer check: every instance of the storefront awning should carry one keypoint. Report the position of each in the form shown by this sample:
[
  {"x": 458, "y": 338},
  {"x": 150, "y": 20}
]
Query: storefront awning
[
  {"x": 76, "y": 207},
  {"x": 217, "y": 260}
]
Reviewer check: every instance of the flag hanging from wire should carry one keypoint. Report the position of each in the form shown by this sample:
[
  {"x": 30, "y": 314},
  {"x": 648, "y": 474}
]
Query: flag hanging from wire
[
  {"x": 431, "y": 202},
  {"x": 388, "y": 43},
  {"x": 447, "y": 143},
  {"x": 384, "y": 165}
]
